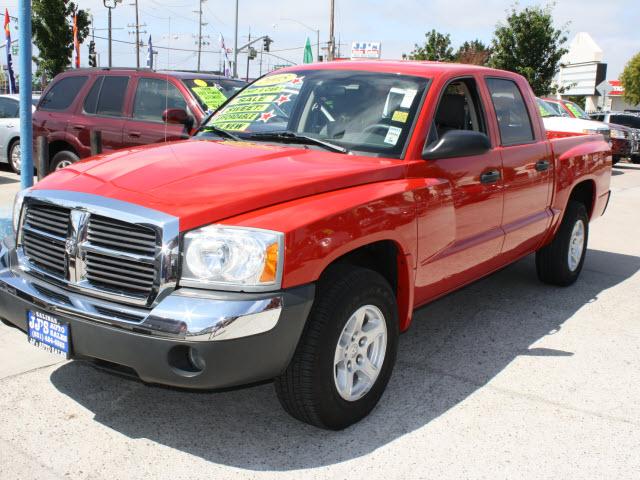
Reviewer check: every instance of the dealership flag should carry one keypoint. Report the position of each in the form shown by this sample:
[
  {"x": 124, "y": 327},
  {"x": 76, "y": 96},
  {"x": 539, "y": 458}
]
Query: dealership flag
[
  {"x": 7, "y": 31},
  {"x": 76, "y": 43},
  {"x": 150, "y": 54},
  {"x": 308, "y": 53},
  {"x": 227, "y": 62}
]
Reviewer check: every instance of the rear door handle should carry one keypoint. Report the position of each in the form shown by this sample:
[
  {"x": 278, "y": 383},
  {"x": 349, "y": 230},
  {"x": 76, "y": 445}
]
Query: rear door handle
[
  {"x": 491, "y": 176},
  {"x": 542, "y": 165},
  {"x": 78, "y": 127},
  {"x": 135, "y": 134}
]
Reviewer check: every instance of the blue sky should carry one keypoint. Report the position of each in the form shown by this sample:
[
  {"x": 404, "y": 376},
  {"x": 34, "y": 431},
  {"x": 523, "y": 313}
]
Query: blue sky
[{"x": 398, "y": 24}]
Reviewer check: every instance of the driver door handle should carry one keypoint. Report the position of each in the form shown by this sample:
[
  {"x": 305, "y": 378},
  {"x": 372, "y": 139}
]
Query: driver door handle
[
  {"x": 542, "y": 165},
  {"x": 492, "y": 176}
]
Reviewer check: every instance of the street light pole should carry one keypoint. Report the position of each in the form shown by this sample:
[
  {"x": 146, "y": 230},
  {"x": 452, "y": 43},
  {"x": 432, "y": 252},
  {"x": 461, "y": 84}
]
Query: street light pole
[
  {"x": 332, "y": 42},
  {"x": 110, "y": 4},
  {"x": 235, "y": 46},
  {"x": 137, "y": 34}
]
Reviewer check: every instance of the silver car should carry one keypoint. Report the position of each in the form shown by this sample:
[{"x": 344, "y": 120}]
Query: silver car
[{"x": 10, "y": 129}]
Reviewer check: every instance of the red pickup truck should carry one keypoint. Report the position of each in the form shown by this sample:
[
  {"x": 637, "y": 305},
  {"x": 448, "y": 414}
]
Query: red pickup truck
[{"x": 295, "y": 234}]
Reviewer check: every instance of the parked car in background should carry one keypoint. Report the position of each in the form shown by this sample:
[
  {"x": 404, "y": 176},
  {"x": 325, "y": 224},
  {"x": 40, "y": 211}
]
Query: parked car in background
[
  {"x": 294, "y": 236},
  {"x": 626, "y": 119},
  {"x": 559, "y": 124},
  {"x": 129, "y": 107},
  {"x": 623, "y": 142},
  {"x": 10, "y": 130}
]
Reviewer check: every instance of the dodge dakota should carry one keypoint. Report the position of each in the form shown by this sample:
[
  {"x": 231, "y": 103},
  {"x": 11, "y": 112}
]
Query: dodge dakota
[{"x": 292, "y": 238}]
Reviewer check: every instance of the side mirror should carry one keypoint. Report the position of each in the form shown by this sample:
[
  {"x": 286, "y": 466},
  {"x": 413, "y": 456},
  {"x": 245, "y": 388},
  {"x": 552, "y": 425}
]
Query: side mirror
[
  {"x": 457, "y": 143},
  {"x": 176, "y": 116}
]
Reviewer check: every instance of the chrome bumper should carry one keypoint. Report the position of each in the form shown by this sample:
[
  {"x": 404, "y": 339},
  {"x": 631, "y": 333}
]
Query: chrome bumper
[{"x": 186, "y": 314}]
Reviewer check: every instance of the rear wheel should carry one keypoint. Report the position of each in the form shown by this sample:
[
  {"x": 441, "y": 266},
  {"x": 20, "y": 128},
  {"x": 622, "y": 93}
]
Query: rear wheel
[
  {"x": 63, "y": 159},
  {"x": 635, "y": 158},
  {"x": 15, "y": 157},
  {"x": 347, "y": 352},
  {"x": 560, "y": 262}
]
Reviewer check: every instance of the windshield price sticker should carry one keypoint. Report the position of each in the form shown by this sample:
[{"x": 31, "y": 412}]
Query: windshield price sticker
[
  {"x": 277, "y": 79},
  {"x": 211, "y": 96},
  {"x": 234, "y": 117},
  {"x": 393, "y": 135},
  {"x": 399, "y": 116},
  {"x": 47, "y": 333},
  {"x": 233, "y": 126},
  {"x": 261, "y": 107},
  {"x": 255, "y": 99}
]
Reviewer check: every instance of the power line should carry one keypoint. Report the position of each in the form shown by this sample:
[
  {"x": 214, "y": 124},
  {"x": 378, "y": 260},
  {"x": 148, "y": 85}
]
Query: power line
[{"x": 161, "y": 48}]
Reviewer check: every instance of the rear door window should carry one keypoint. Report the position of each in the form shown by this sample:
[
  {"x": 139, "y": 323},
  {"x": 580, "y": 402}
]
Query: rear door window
[
  {"x": 9, "y": 108},
  {"x": 62, "y": 93},
  {"x": 513, "y": 117},
  {"x": 153, "y": 97},
  {"x": 106, "y": 97}
]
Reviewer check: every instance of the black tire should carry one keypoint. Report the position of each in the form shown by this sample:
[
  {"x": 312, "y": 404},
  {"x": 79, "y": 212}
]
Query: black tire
[
  {"x": 63, "y": 158},
  {"x": 307, "y": 389},
  {"x": 635, "y": 158},
  {"x": 615, "y": 159},
  {"x": 15, "y": 144},
  {"x": 552, "y": 261}
]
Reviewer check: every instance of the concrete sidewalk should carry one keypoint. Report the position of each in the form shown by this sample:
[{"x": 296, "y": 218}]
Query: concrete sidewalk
[{"x": 507, "y": 378}]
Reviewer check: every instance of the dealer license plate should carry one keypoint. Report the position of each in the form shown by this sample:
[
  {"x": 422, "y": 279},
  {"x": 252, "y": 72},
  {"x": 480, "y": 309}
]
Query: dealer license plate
[{"x": 49, "y": 333}]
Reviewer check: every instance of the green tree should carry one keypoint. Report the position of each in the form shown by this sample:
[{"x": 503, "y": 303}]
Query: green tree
[
  {"x": 529, "y": 44},
  {"x": 474, "y": 52},
  {"x": 630, "y": 80},
  {"x": 437, "y": 47},
  {"x": 52, "y": 24}
]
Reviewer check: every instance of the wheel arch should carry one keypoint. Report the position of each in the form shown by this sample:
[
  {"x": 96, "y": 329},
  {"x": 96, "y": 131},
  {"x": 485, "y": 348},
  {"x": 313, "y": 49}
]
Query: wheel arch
[
  {"x": 584, "y": 192},
  {"x": 387, "y": 258}
]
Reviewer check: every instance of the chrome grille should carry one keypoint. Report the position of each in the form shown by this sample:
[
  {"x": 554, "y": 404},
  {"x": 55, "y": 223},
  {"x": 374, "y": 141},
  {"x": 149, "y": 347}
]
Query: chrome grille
[
  {"x": 116, "y": 273},
  {"x": 49, "y": 219},
  {"x": 94, "y": 253},
  {"x": 109, "y": 233},
  {"x": 43, "y": 239}
]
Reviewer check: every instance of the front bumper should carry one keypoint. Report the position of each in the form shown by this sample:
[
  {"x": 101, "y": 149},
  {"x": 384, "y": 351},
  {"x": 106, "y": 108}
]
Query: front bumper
[{"x": 242, "y": 338}]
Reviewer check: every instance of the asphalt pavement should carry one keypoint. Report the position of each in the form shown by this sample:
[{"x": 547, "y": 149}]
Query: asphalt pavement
[{"x": 507, "y": 378}]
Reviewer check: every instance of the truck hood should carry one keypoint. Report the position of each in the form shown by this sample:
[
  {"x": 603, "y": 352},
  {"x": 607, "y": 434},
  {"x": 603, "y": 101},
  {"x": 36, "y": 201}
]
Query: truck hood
[
  {"x": 573, "y": 125},
  {"x": 204, "y": 181}
]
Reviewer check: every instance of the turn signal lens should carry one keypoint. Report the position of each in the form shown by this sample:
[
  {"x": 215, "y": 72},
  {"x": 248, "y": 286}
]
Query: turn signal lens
[{"x": 270, "y": 264}]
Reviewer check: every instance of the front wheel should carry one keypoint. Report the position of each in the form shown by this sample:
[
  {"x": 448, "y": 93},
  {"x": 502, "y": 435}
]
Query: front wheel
[
  {"x": 635, "y": 158},
  {"x": 347, "y": 352},
  {"x": 560, "y": 262}
]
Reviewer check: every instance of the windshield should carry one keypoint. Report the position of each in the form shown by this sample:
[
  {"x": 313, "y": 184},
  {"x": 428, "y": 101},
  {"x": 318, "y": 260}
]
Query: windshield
[
  {"x": 211, "y": 93},
  {"x": 360, "y": 111},
  {"x": 545, "y": 109},
  {"x": 575, "y": 109}
]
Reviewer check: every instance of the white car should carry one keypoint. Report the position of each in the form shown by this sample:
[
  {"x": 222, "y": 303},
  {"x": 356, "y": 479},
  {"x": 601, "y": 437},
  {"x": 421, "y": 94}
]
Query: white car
[
  {"x": 559, "y": 125},
  {"x": 10, "y": 129}
]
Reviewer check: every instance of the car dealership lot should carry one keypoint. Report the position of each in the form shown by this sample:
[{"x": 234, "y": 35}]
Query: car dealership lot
[{"x": 507, "y": 378}]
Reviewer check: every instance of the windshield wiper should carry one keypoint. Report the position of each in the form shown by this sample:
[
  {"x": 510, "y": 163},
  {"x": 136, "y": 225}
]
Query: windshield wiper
[
  {"x": 220, "y": 132},
  {"x": 291, "y": 137}
]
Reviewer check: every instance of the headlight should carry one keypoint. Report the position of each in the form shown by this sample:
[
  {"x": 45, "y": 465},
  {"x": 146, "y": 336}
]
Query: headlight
[
  {"x": 17, "y": 208},
  {"x": 617, "y": 133},
  {"x": 233, "y": 258}
]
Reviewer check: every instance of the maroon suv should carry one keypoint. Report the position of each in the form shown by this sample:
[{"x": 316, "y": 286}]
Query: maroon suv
[{"x": 129, "y": 107}]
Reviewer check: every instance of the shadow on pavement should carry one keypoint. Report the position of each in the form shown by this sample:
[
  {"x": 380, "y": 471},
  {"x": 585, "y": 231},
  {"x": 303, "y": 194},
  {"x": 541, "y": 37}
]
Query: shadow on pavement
[{"x": 455, "y": 346}]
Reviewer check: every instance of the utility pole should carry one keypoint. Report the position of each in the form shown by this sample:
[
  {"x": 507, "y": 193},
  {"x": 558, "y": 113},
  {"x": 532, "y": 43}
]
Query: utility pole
[
  {"x": 137, "y": 32},
  {"x": 248, "y": 57},
  {"x": 332, "y": 49},
  {"x": 200, "y": 25},
  {"x": 235, "y": 46}
]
